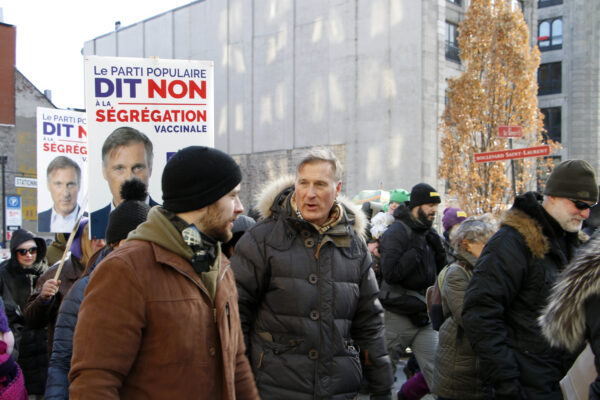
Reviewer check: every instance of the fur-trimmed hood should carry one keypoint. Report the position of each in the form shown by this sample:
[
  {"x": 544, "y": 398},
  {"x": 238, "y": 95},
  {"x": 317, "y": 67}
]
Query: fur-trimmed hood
[
  {"x": 563, "y": 320},
  {"x": 270, "y": 196}
]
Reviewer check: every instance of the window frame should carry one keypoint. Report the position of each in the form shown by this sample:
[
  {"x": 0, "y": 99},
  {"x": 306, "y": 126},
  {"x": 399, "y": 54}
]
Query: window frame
[
  {"x": 548, "y": 3},
  {"x": 552, "y": 84},
  {"x": 452, "y": 50},
  {"x": 551, "y": 38}
]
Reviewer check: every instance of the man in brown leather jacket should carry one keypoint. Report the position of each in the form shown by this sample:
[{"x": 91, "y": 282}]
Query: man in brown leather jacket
[{"x": 160, "y": 315}]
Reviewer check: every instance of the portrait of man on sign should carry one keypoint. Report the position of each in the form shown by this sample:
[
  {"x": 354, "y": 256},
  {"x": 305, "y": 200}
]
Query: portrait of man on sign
[
  {"x": 126, "y": 153},
  {"x": 63, "y": 180}
]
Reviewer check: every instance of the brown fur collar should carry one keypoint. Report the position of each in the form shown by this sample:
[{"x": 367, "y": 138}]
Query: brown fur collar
[
  {"x": 530, "y": 229},
  {"x": 563, "y": 321},
  {"x": 270, "y": 191}
]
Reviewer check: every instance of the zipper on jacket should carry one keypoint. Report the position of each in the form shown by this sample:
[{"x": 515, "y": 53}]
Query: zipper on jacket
[{"x": 215, "y": 314}]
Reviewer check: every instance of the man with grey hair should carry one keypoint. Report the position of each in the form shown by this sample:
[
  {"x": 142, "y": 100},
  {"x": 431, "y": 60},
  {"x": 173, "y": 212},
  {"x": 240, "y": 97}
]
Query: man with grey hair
[
  {"x": 126, "y": 153},
  {"x": 307, "y": 293},
  {"x": 63, "y": 180},
  {"x": 512, "y": 280}
]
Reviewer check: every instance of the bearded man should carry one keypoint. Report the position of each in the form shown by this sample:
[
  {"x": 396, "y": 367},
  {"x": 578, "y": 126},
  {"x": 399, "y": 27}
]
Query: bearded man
[{"x": 412, "y": 254}]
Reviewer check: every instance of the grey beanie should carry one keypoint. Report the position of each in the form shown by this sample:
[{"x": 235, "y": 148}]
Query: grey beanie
[{"x": 573, "y": 179}]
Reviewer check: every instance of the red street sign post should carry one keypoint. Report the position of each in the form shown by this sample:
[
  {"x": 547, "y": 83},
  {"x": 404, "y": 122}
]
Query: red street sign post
[
  {"x": 512, "y": 154},
  {"x": 509, "y": 131}
]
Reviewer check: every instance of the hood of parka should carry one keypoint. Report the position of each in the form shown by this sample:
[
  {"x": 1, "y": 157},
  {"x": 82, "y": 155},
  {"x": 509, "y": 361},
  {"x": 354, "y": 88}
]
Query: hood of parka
[
  {"x": 158, "y": 229},
  {"x": 21, "y": 236},
  {"x": 271, "y": 200},
  {"x": 563, "y": 321}
]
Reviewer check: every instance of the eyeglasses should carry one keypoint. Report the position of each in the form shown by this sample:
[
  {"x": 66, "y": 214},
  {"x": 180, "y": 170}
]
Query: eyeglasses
[
  {"x": 581, "y": 205},
  {"x": 31, "y": 250}
]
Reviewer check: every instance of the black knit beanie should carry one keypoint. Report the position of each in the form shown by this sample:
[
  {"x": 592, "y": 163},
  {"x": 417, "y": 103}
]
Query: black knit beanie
[
  {"x": 196, "y": 177},
  {"x": 573, "y": 179},
  {"x": 422, "y": 193},
  {"x": 132, "y": 211}
]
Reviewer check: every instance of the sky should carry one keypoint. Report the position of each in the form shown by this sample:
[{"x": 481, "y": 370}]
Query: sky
[{"x": 51, "y": 34}]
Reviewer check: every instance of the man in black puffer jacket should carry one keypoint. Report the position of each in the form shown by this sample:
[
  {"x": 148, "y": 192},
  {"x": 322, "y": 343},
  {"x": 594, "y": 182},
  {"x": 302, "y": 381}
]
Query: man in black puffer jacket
[
  {"x": 512, "y": 280},
  {"x": 307, "y": 293},
  {"x": 18, "y": 277},
  {"x": 412, "y": 254}
]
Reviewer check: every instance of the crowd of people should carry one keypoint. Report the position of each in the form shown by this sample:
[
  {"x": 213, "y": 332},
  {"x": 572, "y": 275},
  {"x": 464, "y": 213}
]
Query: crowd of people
[{"x": 314, "y": 298}]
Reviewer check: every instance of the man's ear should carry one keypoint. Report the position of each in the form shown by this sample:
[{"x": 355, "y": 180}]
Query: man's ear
[
  {"x": 338, "y": 187},
  {"x": 104, "y": 172}
]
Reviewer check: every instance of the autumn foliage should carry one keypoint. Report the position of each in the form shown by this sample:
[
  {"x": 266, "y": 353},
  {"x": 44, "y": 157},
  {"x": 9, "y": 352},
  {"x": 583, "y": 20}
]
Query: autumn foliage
[{"x": 498, "y": 87}]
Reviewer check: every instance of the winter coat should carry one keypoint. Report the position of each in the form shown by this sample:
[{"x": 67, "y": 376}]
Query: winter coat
[
  {"x": 411, "y": 256},
  {"x": 16, "y": 284},
  {"x": 509, "y": 288},
  {"x": 456, "y": 373},
  {"x": 40, "y": 313},
  {"x": 148, "y": 328},
  {"x": 573, "y": 312},
  {"x": 308, "y": 303},
  {"x": 57, "y": 384}
]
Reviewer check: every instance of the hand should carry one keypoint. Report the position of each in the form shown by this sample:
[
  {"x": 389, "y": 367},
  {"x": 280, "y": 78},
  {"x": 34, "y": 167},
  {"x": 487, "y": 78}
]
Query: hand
[{"x": 49, "y": 289}]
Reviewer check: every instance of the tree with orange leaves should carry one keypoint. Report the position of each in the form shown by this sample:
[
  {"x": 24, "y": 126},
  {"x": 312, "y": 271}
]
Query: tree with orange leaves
[{"x": 498, "y": 87}]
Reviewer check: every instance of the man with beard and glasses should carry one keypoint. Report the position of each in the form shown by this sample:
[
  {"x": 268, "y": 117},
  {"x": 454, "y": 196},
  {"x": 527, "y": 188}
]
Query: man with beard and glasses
[
  {"x": 160, "y": 316},
  {"x": 412, "y": 254},
  {"x": 512, "y": 281}
]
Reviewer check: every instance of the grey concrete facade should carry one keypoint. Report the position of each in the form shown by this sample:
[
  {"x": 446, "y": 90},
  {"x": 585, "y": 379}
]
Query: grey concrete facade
[
  {"x": 365, "y": 77},
  {"x": 579, "y": 98}
]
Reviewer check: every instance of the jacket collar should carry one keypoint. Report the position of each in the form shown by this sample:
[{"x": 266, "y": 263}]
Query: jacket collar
[{"x": 272, "y": 201}]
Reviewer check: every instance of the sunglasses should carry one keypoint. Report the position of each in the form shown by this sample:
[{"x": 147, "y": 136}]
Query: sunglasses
[
  {"x": 580, "y": 205},
  {"x": 31, "y": 250}
]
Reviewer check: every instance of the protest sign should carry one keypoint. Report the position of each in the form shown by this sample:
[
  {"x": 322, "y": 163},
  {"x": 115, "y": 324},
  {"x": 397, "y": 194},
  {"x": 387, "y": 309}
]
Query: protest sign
[
  {"x": 141, "y": 111},
  {"x": 61, "y": 168}
]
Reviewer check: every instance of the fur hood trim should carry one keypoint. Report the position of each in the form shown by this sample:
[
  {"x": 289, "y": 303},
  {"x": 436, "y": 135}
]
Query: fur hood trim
[
  {"x": 271, "y": 190},
  {"x": 563, "y": 320},
  {"x": 530, "y": 229}
]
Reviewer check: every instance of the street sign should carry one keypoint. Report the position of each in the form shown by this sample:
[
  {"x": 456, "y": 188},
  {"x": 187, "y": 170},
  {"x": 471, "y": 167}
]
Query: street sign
[
  {"x": 25, "y": 182},
  {"x": 538, "y": 151},
  {"x": 510, "y": 131},
  {"x": 13, "y": 216}
]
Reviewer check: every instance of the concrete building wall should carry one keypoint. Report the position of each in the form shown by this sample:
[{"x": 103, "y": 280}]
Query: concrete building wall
[{"x": 362, "y": 77}]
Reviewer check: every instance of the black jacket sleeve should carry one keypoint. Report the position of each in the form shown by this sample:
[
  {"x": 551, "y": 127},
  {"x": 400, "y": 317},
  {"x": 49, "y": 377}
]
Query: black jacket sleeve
[
  {"x": 399, "y": 258},
  {"x": 249, "y": 268},
  {"x": 497, "y": 279},
  {"x": 592, "y": 317},
  {"x": 369, "y": 333},
  {"x": 57, "y": 384}
]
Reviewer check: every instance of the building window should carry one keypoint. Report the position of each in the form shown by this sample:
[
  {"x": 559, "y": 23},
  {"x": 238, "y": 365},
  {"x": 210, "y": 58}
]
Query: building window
[
  {"x": 552, "y": 123},
  {"x": 549, "y": 78},
  {"x": 457, "y": 2},
  {"x": 452, "y": 42},
  {"x": 550, "y": 34},
  {"x": 548, "y": 3}
]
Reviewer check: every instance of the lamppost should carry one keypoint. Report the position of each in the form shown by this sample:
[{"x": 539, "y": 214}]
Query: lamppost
[{"x": 3, "y": 160}]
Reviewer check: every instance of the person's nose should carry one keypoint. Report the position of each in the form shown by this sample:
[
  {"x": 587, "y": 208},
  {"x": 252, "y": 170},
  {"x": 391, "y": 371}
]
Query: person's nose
[
  {"x": 311, "y": 191},
  {"x": 238, "y": 206},
  {"x": 585, "y": 213}
]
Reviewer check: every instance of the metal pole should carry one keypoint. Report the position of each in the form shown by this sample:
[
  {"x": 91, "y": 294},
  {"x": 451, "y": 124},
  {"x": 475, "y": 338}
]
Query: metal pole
[{"x": 3, "y": 162}]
